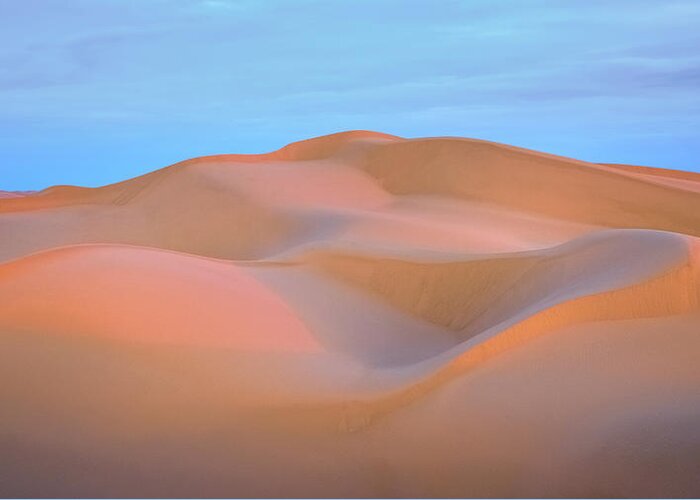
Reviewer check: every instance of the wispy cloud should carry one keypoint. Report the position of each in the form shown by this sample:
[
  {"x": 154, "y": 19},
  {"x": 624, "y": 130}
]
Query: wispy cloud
[{"x": 526, "y": 71}]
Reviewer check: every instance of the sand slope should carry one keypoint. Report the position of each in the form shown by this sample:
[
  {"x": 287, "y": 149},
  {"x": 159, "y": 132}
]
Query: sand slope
[{"x": 354, "y": 315}]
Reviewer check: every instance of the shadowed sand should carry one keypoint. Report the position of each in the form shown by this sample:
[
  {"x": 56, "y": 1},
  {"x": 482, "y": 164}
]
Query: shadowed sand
[{"x": 356, "y": 315}]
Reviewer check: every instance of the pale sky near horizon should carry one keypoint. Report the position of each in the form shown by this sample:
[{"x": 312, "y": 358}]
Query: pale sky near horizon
[{"x": 93, "y": 92}]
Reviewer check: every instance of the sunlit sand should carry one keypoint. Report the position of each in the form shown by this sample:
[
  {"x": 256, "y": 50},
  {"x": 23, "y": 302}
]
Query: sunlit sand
[{"x": 354, "y": 315}]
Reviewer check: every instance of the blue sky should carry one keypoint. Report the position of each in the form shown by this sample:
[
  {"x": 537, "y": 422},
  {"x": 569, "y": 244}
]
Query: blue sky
[{"x": 96, "y": 91}]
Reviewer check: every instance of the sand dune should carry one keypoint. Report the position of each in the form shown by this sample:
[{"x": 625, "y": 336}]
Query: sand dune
[
  {"x": 354, "y": 315},
  {"x": 14, "y": 194}
]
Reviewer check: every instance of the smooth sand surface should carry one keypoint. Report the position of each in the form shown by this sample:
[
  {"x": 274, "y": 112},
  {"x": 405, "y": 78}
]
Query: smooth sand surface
[{"x": 355, "y": 315}]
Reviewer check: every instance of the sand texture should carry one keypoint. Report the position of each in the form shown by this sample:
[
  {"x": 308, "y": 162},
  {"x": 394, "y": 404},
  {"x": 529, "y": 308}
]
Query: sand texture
[{"x": 355, "y": 315}]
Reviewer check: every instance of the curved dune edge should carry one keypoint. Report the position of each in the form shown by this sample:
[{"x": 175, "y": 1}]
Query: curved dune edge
[
  {"x": 674, "y": 291},
  {"x": 459, "y": 292},
  {"x": 122, "y": 192},
  {"x": 145, "y": 296},
  {"x": 516, "y": 177}
]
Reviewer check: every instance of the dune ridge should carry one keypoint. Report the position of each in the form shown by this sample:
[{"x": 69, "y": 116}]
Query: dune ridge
[{"x": 354, "y": 315}]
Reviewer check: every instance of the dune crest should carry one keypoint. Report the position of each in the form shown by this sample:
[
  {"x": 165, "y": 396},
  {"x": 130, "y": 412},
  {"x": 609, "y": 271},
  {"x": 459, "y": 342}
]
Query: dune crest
[{"x": 354, "y": 315}]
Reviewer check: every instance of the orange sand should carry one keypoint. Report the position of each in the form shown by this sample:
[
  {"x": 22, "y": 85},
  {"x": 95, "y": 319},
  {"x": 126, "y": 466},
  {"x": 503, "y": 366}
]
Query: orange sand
[{"x": 354, "y": 315}]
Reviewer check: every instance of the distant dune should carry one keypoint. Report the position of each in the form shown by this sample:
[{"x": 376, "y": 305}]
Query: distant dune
[
  {"x": 354, "y": 315},
  {"x": 14, "y": 194}
]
